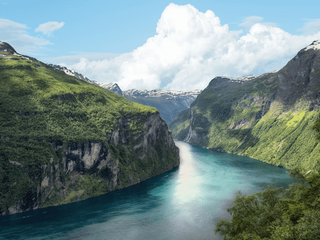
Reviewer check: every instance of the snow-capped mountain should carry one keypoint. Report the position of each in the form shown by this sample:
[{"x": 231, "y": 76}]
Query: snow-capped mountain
[
  {"x": 169, "y": 103},
  {"x": 113, "y": 87}
]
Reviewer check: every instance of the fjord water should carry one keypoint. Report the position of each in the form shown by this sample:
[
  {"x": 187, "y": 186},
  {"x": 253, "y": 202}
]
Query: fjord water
[{"x": 184, "y": 203}]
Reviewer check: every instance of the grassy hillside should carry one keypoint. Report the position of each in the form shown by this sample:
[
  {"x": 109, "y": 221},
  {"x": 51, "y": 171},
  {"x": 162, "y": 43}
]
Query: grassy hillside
[
  {"x": 32, "y": 92},
  {"x": 41, "y": 104}
]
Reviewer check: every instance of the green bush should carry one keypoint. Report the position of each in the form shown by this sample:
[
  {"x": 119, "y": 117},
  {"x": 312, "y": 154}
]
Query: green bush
[{"x": 275, "y": 213}]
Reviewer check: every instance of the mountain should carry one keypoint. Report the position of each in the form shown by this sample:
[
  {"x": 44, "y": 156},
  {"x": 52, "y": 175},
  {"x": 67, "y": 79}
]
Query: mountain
[
  {"x": 64, "y": 140},
  {"x": 113, "y": 87},
  {"x": 269, "y": 117},
  {"x": 169, "y": 103}
]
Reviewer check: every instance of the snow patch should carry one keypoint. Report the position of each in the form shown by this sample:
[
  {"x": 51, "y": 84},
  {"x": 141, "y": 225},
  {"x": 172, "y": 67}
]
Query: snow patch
[
  {"x": 26, "y": 58},
  {"x": 247, "y": 78},
  {"x": 244, "y": 78},
  {"x": 315, "y": 45},
  {"x": 169, "y": 94},
  {"x": 71, "y": 72},
  {"x": 275, "y": 71},
  {"x": 239, "y": 79},
  {"x": 19, "y": 55}
]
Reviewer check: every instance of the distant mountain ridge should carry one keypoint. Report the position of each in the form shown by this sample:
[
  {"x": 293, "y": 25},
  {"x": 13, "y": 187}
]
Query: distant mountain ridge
[
  {"x": 168, "y": 102},
  {"x": 268, "y": 117}
]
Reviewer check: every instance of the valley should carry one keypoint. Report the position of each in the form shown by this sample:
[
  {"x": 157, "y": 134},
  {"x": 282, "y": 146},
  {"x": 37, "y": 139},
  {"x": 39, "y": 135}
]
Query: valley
[{"x": 65, "y": 138}]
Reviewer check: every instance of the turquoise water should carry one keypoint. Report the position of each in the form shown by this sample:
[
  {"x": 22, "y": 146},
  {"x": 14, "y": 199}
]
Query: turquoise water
[{"x": 182, "y": 204}]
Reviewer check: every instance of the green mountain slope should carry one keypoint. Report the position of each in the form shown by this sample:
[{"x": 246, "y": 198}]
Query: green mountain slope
[
  {"x": 64, "y": 140},
  {"x": 270, "y": 117}
]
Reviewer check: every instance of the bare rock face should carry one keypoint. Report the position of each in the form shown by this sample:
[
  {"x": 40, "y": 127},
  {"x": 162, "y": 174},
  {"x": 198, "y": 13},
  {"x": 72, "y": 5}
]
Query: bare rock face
[
  {"x": 6, "y": 48},
  {"x": 94, "y": 168},
  {"x": 7, "y": 51},
  {"x": 300, "y": 77}
]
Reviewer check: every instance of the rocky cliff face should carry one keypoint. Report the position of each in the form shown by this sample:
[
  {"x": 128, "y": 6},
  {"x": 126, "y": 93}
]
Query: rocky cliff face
[
  {"x": 300, "y": 77},
  {"x": 268, "y": 117},
  {"x": 93, "y": 168},
  {"x": 63, "y": 140}
]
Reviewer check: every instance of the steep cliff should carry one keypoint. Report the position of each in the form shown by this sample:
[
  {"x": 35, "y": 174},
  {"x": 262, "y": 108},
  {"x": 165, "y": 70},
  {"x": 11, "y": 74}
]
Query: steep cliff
[
  {"x": 268, "y": 117},
  {"x": 64, "y": 140}
]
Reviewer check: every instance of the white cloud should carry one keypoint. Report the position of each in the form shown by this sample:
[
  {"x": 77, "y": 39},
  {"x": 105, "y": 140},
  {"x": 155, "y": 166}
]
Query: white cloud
[
  {"x": 76, "y": 57},
  {"x": 250, "y": 21},
  {"x": 311, "y": 27},
  {"x": 49, "y": 27},
  {"x": 190, "y": 48},
  {"x": 16, "y": 35}
]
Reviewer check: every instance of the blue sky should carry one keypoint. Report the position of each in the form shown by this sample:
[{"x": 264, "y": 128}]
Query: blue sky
[{"x": 118, "y": 41}]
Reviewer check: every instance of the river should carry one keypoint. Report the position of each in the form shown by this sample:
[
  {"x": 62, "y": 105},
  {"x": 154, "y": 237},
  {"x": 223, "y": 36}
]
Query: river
[{"x": 184, "y": 203}]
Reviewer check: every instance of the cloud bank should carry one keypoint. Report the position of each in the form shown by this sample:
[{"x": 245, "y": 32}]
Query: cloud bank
[
  {"x": 191, "y": 47},
  {"x": 49, "y": 27},
  {"x": 16, "y": 34}
]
